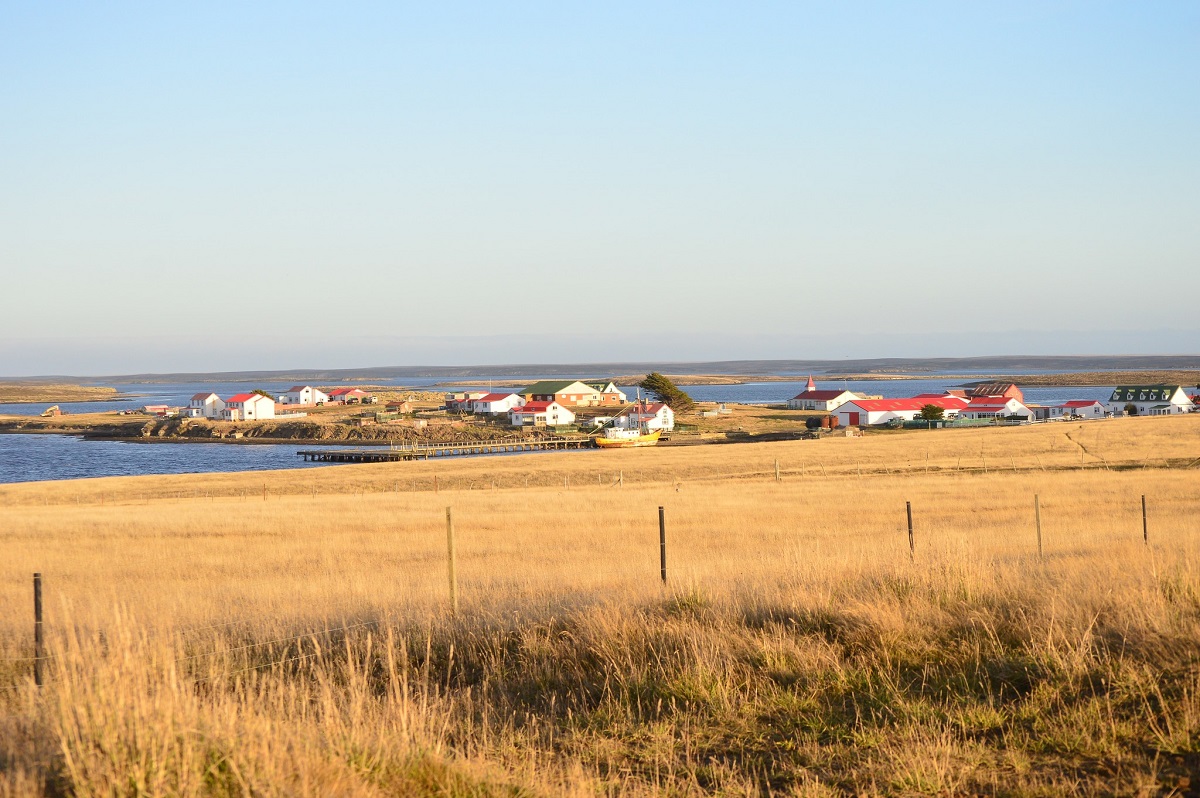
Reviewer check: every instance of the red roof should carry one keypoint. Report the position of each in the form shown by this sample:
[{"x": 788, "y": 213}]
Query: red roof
[
  {"x": 1082, "y": 403},
  {"x": 533, "y": 407},
  {"x": 820, "y": 396},
  {"x": 494, "y": 397},
  {"x": 241, "y": 397},
  {"x": 649, "y": 411},
  {"x": 914, "y": 403},
  {"x": 345, "y": 391},
  {"x": 890, "y": 404}
]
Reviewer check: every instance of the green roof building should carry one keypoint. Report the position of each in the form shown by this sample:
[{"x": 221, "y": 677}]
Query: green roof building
[{"x": 1150, "y": 400}]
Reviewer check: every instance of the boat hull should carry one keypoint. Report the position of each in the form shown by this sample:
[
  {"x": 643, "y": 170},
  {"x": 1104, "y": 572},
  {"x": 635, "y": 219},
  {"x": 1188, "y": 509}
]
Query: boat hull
[{"x": 649, "y": 439}]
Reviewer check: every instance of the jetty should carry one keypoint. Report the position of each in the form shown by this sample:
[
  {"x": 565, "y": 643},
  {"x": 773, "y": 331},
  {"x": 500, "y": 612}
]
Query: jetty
[{"x": 392, "y": 454}]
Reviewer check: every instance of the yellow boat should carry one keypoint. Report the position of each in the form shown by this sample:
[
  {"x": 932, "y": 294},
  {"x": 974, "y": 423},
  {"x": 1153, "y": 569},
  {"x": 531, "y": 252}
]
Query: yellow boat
[{"x": 626, "y": 438}]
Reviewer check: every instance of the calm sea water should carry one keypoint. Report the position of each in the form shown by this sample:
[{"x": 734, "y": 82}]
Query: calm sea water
[
  {"x": 25, "y": 458},
  {"x": 30, "y": 458}
]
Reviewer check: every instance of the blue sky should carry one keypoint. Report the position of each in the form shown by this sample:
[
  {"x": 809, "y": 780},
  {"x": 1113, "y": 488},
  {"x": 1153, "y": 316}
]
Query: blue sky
[{"x": 221, "y": 186}]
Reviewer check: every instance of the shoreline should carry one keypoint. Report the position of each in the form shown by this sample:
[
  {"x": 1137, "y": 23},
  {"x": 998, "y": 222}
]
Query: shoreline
[{"x": 1074, "y": 379}]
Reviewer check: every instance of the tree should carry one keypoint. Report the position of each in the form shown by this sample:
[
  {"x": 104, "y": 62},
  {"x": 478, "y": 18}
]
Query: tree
[
  {"x": 1131, "y": 409},
  {"x": 665, "y": 391},
  {"x": 261, "y": 392},
  {"x": 932, "y": 413}
]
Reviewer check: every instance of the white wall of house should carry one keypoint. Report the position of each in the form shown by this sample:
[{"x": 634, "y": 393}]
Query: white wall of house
[
  {"x": 1155, "y": 402},
  {"x": 1097, "y": 410},
  {"x": 554, "y": 415},
  {"x": 256, "y": 408},
  {"x": 663, "y": 418},
  {"x": 305, "y": 397},
  {"x": 1009, "y": 409},
  {"x": 208, "y": 407},
  {"x": 498, "y": 406},
  {"x": 851, "y": 414}
]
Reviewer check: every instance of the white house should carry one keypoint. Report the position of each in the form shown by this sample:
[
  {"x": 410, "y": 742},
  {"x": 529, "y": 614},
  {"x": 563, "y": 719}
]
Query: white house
[
  {"x": 496, "y": 404},
  {"x": 1084, "y": 408},
  {"x": 610, "y": 394},
  {"x": 1048, "y": 412},
  {"x": 992, "y": 407},
  {"x": 540, "y": 414},
  {"x": 249, "y": 407},
  {"x": 653, "y": 416},
  {"x": 303, "y": 396},
  {"x": 1150, "y": 400},
  {"x": 869, "y": 412},
  {"x": 205, "y": 405},
  {"x": 812, "y": 399}
]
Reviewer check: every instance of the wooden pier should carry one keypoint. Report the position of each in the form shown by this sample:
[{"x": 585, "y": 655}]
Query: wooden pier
[{"x": 385, "y": 454}]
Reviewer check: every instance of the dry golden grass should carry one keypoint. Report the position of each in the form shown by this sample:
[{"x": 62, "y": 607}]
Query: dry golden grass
[
  {"x": 52, "y": 392},
  {"x": 213, "y": 643}
]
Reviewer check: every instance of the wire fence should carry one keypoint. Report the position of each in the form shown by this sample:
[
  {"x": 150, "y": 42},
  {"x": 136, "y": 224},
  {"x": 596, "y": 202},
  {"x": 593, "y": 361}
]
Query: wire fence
[{"x": 1185, "y": 507}]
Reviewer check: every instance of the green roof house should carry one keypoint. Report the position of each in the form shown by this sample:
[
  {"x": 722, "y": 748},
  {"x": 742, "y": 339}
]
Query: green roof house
[
  {"x": 568, "y": 393},
  {"x": 1150, "y": 400}
]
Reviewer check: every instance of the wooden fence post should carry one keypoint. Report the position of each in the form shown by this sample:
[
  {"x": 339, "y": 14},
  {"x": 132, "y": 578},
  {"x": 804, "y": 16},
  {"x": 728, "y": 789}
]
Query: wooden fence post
[
  {"x": 1145, "y": 528},
  {"x": 1037, "y": 514},
  {"x": 912, "y": 546},
  {"x": 39, "y": 640},
  {"x": 621, "y": 478},
  {"x": 777, "y": 477},
  {"x": 662, "y": 544},
  {"x": 453, "y": 561}
]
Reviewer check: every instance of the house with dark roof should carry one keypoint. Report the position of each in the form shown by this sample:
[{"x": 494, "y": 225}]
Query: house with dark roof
[
  {"x": 303, "y": 396},
  {"x": 813, "y": 399},
  {"x": 1150, "y": 400},
  {"x": 205, "y": 405},
  {"x": 1006, "y": 389},
  {"x": 463, "y": 401}
]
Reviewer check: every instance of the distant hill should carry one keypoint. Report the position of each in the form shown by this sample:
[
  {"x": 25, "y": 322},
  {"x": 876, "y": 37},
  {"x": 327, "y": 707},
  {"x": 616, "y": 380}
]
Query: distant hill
[{"x": 960, "y": 365}]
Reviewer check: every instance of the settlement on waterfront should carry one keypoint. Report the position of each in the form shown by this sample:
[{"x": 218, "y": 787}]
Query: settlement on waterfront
[{"x": 365, "y": 423}]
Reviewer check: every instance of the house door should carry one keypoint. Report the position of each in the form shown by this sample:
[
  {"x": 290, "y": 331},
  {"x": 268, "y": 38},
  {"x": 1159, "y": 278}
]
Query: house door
[{"x": 853, "y": 418}]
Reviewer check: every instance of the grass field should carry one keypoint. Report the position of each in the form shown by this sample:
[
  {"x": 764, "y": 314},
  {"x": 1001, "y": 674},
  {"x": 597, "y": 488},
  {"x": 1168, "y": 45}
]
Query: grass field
[
  {"x": 27, "y": 392},
  {"x": 289, "y": 632}
]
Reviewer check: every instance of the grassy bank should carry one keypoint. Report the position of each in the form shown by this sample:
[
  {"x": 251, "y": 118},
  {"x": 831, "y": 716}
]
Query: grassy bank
[
  {"x": 210, "y": 641},
  {"x": 36, "y": 392}
]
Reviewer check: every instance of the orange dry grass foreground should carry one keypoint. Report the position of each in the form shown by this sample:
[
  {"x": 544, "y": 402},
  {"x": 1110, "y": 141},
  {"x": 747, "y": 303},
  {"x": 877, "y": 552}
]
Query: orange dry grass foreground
[{"x": 210, "y": 643}]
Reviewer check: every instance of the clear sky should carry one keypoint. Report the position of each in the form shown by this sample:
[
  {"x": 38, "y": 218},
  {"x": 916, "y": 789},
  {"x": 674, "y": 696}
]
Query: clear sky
[{"x": 279, "y": 185}]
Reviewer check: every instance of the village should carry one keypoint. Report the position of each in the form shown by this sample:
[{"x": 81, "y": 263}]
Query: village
[{"x": 566, "y": 406}]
